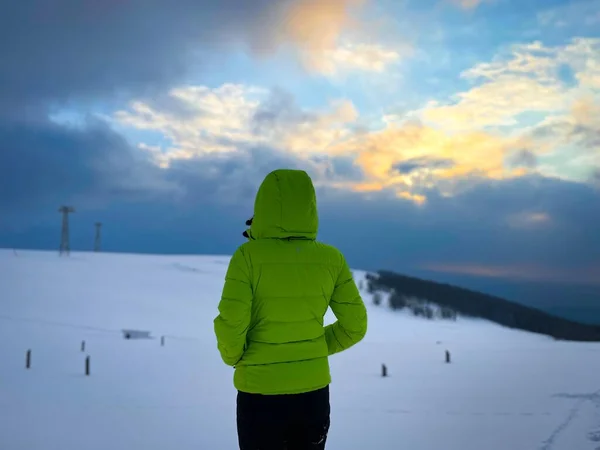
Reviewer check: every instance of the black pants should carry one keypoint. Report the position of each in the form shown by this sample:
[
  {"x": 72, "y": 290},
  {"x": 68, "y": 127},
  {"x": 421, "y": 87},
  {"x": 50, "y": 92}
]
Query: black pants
[{"x": 283, "y": 422}]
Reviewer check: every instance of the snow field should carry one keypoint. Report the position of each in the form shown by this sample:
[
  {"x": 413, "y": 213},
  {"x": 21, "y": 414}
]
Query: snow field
[{"x": 504, "y": 390}]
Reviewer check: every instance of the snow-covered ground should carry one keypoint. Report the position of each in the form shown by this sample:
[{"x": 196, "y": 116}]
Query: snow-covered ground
[{"x": 504, "y": 390}]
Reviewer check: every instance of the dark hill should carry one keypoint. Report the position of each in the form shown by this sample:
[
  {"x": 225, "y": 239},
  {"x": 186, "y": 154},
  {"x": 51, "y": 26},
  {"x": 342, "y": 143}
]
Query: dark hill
[{"x": 476, "y": 304}]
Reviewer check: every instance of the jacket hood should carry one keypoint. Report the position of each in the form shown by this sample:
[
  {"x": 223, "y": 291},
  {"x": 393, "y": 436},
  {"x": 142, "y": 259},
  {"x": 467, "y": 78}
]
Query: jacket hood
[{"x": 285, "y": 206}]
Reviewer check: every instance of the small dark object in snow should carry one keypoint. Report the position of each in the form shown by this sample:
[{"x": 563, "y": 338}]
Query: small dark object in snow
[{"x": 136, "y": 334}]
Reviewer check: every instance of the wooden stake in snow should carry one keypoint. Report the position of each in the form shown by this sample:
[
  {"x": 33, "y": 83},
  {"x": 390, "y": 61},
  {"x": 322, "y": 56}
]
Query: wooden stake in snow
[
  {"x": 162, "y": 341},
  {"x": 83, "y": 346},
  {"x": 28, "y": 359},
  {"x": 87, "y": 366},
  {"x": 447, "y": 357},
  {"x": 383, "y": 370}
]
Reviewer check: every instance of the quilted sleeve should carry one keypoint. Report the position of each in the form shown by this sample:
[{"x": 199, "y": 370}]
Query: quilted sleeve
[
  {"x": 231, "y": 325},
  {"x": 350, "y": 311}
]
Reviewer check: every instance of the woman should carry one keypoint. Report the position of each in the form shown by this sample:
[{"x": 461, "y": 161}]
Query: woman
[{"x": 277, "y": 290}]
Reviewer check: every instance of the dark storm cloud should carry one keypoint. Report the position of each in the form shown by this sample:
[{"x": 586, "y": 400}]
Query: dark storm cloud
[
  {"x": 410, "y": 165},
  {"x": 380, "y": 230},
  {"x": 43, "y": 164},
  {"x": 68, "y": 49},
  {"x": 225, "y": 179},
  {"x": 472, "y": 227},
  {"x": 480, "y": 214}
]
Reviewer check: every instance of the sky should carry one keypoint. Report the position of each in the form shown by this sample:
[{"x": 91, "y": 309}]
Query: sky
[{"x": 448, "y": 137}]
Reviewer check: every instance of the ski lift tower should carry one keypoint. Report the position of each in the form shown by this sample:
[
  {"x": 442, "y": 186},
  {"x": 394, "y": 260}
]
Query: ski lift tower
[
  {"x": 98, "y": 240},
  {"x": 65, "y": 247}
]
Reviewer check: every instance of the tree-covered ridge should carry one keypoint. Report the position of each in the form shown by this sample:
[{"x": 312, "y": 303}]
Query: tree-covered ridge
[{"x": 431, "y": 299}]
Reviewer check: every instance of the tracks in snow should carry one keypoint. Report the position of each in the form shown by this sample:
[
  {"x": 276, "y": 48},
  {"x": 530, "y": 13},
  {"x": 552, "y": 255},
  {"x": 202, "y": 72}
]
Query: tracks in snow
[{"x": 594, "y": 436}]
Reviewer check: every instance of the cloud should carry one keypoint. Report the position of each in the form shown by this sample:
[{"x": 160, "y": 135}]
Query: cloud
[
  {"x": 197, "y": 120},
  {"x": 527, "y": 79},
  {"x": 316, "y": 25},
  {"x": 409, "y": 156},
  {"x": 411, "y": 165},
  {"x": 459, "y": 156},
  {"x": 364, "y": 57},
  {"x": 194, "y": 120},
  {"x": 574, "y": 137},
  {"x": 521, "y": 116},
  {"x": 523, "y": 158},
  {"x": 484, "y": 132},
  {"x": 227, "y": 180},
  {"x": 104, "y": 50},
  {"x": 64, "y": 59},
  {"x": 302, "y": 132},
  {"x": 445, "y": 229},
  {"x": 236, "y": 117},
  {"x": 416, "y": 198},
  {"x": 326, "y": 35},
  {"x": 233, "y": 117},
  {"x": 211, "y": 194},
  {"x": 586, "y": 123},
  {"x": 524, "y": 94}
]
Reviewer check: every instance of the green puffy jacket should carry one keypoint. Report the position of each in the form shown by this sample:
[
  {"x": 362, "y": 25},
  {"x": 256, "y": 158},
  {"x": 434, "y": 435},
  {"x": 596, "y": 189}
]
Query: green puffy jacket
[{"x": 277, "y": 289}]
